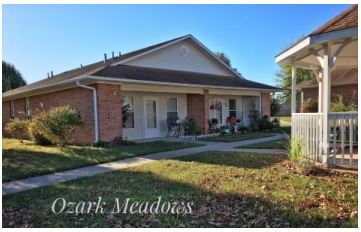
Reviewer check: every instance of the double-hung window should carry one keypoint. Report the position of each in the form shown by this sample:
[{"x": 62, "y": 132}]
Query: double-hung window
[
  {"x": 128, "y": 109},
  {"x": 172, "y": 109},
  {"x": 232, "y": 108}
]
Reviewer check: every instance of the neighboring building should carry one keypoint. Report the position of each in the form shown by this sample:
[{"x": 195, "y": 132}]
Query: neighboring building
[
  {"x": 180, "y": 77},
  {"x": 343, "y": 83}
]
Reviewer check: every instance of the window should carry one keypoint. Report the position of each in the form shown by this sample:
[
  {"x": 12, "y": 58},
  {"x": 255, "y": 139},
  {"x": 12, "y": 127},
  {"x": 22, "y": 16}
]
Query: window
[
  {"x": 27, "y": 107},
  {"x": 12, "y": 109},
  {"x": 172, "y": 111},
  {"x": 128, "y": 111},
  {"x": 232, "y": 108}
]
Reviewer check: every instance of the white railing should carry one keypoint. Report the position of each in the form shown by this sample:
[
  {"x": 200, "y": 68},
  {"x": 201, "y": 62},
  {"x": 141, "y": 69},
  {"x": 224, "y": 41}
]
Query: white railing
[
  {"x": 308, "y": 128},
  {"x": 343, "y": 136}
]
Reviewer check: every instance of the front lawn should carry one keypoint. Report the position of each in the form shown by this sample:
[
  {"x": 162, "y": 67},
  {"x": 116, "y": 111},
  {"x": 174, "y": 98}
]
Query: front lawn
[
  {"x": 21, "y": 160},
  {"x": 238, "y": 137},
  {"x": 280, "y": 144},
  {"x": 228, "y": 189}
]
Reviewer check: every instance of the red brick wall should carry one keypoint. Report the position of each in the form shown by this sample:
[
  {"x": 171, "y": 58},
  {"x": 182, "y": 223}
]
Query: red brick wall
[
  {"x": 6, "y": 115},
  {"x": 198, "y": 109},
  {"x": 266, "y": 104},
  {"x": 109, "y": 111},
  {"x": 78, "y": 98},
  {"x": 349, "y": 93}
]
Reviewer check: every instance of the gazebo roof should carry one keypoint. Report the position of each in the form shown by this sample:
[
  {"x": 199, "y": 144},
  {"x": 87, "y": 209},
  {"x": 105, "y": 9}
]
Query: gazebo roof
[{"x": 340, "y": 28}]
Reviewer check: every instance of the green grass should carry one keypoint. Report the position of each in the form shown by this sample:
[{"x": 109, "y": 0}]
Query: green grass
[
  {"x": 228, "y": 189},
  {"x": 21, "y": 160},
  {"x": 280, "y": 144},
  {"x": 238, "y": 137}
]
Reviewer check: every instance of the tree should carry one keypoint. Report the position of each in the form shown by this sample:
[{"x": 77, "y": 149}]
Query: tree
[
  {"x": 275, "y": 105},
  {"x": 225, "y": 58},
  {"x": 283, "y": 79},
  {"x": 12, "y": 78}
]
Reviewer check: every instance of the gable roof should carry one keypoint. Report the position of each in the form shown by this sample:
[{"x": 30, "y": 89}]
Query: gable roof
[
  {"x": 83, "y": 71},
  {"x": 338, "y": 77},
  {"x": 344, "y": 20},
  {"x": 130, "y": 72},
  {"x": 89, "y": 70}
]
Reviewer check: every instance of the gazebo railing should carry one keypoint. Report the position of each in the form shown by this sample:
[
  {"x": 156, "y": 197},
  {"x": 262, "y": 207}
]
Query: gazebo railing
[
  {"x": 343, "y": 136},
  {"x": 308, "y": 128}
]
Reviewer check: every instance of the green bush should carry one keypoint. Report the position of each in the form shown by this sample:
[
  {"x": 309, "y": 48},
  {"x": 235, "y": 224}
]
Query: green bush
[
  {"x": 340, "y": 106},
  {"x": 56, "y": 124},
  {"x": 309, "y": 106},
  {"x": 35, "y": 133},
  {"x": 265, "y": 123},
  {"x": 190, "y": 126},
  {"x": 18, "y": 129},
  {"x": 294, "y": 148}
]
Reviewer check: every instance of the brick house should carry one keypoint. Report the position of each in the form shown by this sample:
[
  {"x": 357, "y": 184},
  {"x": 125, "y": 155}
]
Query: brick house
[
  {"x": 343, "y": 83},
  {"x": 179, "y": 77}
]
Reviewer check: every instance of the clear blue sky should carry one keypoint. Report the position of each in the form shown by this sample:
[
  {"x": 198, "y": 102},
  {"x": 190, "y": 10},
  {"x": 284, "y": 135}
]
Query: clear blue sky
[{"x": 41, "y": 38}]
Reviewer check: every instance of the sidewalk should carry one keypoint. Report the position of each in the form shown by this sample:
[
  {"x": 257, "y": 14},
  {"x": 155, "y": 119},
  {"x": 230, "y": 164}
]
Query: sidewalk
[{"x": 50, "y": 179}]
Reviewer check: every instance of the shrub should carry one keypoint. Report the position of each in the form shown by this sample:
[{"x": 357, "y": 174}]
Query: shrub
[
  {"x": 309, "y": 106},
  {"x": 18, "y": 129},
  {"x": 57, "y": 124},
  {"x": 35, "y": 133},
  {"x": 340, "y": 106},
  {"x": 294, "y": 148},
  {"x": 265, "y": 123},
  {"x": 190, "y": 126}
]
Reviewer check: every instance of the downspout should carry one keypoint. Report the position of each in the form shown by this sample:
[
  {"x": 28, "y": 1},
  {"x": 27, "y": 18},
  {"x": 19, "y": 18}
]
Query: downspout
[{"x": 95, "y": 109}]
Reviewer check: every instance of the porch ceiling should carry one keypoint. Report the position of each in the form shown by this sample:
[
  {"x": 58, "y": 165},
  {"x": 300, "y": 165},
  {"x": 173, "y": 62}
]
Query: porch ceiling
[{"x": 302, "y": 56}]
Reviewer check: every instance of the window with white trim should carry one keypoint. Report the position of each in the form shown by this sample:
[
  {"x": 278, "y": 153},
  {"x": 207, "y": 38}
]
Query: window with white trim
[
  {"x": 129, "y": 107},
  {"x": 172, "y": 108},
  {"x": 27, "y": 107},
  {"x": 12, "y": 109},
  {"x": 232, "y": 108}
]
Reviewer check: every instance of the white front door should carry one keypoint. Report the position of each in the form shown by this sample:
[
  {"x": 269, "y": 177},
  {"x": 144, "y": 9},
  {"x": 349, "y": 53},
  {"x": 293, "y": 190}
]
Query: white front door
[{"x": 151, "y": 125}]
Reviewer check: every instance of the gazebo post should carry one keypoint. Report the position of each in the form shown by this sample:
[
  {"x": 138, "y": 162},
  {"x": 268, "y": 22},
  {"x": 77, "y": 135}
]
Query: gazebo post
[
  {"x": 326, "y": 93},
  {"x": 293, "y": 93}
]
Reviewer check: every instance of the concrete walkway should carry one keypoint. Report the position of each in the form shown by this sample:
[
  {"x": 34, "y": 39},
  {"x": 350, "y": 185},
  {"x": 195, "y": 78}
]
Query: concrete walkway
[{"x": 50, "y": 179}]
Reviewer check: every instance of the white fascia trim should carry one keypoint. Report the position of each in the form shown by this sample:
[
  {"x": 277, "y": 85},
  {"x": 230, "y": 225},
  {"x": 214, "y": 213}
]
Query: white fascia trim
[
  {"x": 120, "y": 80},
  {"x": 176, "y": 41},
  {"x": 73, "y": 80},
  {"x": 295, "y": 48}
]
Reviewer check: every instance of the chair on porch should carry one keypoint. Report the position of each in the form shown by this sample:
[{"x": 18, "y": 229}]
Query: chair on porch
[{"x": 173, "y": 128}]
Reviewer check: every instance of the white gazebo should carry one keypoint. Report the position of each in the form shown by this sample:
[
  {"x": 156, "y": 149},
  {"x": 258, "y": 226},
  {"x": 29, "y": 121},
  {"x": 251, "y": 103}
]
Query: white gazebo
[{"x": 330, "y": 138}]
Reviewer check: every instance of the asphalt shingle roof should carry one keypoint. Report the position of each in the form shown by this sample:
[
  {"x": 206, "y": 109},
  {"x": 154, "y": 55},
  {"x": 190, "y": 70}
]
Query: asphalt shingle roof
[
  {"x": 178, "y": 77},
  {"x": 102, "y": 68},
  {"x": 344, "y": 20}
]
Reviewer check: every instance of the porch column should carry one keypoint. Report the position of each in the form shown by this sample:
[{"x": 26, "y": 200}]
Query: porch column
[
  {"x": 320, "y": 93},
  {"x": 198, "y": 109},
  {"x": 326, "y": 93},
  {"x": 293, "y": 88}
]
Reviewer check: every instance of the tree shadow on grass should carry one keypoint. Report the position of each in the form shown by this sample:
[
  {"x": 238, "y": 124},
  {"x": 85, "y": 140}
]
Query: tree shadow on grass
[
  {"x": 210, "y": 209},
  {"x": 235, "y": 159}
]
